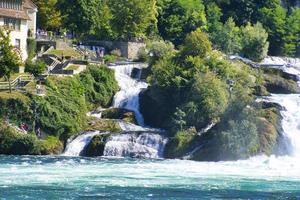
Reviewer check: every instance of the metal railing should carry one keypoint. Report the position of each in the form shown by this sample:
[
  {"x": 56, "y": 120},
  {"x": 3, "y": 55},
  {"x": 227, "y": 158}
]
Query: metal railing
[{"x": 16, "y": 83}]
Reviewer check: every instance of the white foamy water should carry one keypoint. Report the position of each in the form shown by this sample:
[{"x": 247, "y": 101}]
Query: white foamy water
[
  {"x": 145, "y": 145},
  {"x": 130, "y": 88},
  {"x": 76, "y": 146},
  {"x": 288, "y": 65},
  {"x": 291, "y": 118}
]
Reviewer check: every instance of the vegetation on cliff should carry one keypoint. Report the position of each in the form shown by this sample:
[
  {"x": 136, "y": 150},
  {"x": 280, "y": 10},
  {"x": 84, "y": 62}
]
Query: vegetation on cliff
[
  {"x": 62, "y": 112},
  {"x": 196, "y": 87}
]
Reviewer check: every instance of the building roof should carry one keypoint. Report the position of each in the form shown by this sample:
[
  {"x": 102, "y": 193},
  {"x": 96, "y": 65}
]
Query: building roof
[{"x": 19, "y": 14}]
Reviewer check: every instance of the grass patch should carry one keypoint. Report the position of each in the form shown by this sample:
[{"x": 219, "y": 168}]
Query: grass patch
[
  {"x": 69, "y": 52},
  {"x": 72, "y": 67}
]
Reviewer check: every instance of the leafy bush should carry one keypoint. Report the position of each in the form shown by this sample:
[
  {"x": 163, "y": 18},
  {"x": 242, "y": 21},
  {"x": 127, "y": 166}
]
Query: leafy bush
[
  {"x": 254, "y": 42},
  {"x": 180, "y": 144},
  {"x": 196, "y": 44},
  {"x": 207, "y": 101},
  {"x": 15, "y": 143},
  {"x": 240, "y": 140},
  {"x": 31, "y": 48},
  {"x": 99, "y": 85},
  {"x": 36, "y": 68}
]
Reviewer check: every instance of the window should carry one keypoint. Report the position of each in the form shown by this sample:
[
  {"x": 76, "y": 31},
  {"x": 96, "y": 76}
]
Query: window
[
  {"x": 12, "y": 23},
  {"x": 18, "y": 43}
]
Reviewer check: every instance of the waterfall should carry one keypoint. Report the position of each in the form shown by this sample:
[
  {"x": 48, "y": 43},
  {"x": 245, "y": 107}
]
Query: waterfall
[
  {"x": 137, "y": 141},
  {"x": 291, "y": 118},
  {"x": 76, "y": 146},
  {"x": 130, "y": 88},
  {"x": 145, "y": 145},
  {"x": 290, "y": 102}
]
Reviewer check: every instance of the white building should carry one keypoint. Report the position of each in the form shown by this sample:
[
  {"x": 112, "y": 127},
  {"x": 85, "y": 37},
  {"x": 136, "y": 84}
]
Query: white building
[{"x": 20, "y": 17}]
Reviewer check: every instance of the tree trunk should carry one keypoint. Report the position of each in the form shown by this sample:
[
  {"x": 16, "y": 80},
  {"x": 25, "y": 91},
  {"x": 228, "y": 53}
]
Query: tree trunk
[{"x": 9, "y": 85}]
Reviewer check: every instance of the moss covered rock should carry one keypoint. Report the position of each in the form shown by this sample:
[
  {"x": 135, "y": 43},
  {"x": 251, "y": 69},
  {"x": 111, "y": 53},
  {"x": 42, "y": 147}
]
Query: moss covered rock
[
  {"x": 103, "y": 125},
  {"x": 181, "y": 144},
  {"x": 96, "y": 146},
  {"x": 277, "y": 81},
  {"x": 119, "y": 113}
]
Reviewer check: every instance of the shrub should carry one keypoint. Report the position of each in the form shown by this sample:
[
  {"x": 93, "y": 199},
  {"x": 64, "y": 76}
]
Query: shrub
[
  {"x": 99, "y": 85},
  {"x": 36, "y": 68},
  {"x": 180, "y": 144},
  {"x": 208, "y": 99},
  {"x": 31, "y": 48},
  {"x": 240, "y": 140},
  {"x": 254, "y": 42},
  {"x": 196, "y": 44},
  {"x": 15, "y": 143}
]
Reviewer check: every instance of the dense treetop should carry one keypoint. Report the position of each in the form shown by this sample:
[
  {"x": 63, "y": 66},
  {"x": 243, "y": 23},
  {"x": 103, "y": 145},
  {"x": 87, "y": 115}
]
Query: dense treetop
[{"x": 225, "y": 21}]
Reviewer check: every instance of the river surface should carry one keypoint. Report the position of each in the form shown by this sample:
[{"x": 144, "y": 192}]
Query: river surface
[{"x": 112, "y": 178}]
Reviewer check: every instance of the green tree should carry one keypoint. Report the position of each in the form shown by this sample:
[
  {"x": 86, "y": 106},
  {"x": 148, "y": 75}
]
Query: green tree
[
  {"x": 274, "y": 21},
  {"x": 49, "y": 17},
  {"x": 228, "y": 39},
  {"x": 292, "y": 36},
  {"x": 36, "y": 68},
  {"x": 9, "y": 60},
  {"x": 177, "y": 18},
  {"x": 196, "y": 44},
  {"x": 132, "y": 18},
  {"x": 214, "y": 24},
  {"x": 254, "y": 42},
  {"x": 207, "y": 101},
  {"x": 179, "y": 119}
]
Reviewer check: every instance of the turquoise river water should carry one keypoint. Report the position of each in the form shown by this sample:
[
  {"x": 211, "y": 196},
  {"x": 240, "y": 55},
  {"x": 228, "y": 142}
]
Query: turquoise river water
[{"x": 31, "y": 177}]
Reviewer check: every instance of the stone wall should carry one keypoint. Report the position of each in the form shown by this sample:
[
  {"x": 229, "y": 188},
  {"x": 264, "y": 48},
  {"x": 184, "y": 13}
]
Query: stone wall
[{"x": 128, "y": 49}]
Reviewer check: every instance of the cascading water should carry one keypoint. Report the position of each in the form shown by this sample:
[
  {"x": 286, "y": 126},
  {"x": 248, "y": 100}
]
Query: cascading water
[
  {"x": 290, "y": 102},
  {"x": 130, "y": 88},
  {"x": 145, "y": 145},
  {"x": 138, "y": 141},
  {"x": 76, "y": 146},
  {"x": 291, "y": 119}
]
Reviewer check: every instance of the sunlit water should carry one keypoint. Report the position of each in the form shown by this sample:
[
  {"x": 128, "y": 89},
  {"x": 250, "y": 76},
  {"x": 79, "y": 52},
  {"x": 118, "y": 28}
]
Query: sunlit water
[{"x": 103, "y": 178}]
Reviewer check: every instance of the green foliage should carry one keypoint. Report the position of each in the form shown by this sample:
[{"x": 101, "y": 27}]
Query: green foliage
[
  {"x": 100, "y": 85},
  {"x": 180, "y": 17},
  {"x": 292, "y": 36},
  {"x": 180, "y": 144},
  {"x": 158, "y": 49},
  {"x": 196, "y": 44},
  {"x": 63, "y": 111},
  {"x": 132, "y": 18},
  {"x": 13, "y": 143},
  {"x": 228, "y": 39},
  {"x": 51, "y": 145},
  {"x": 31, "y": 48},
  {"x": 274, "y": 21},
  {"x": 254, "y": 42},
  {"x": 49, "y": 17},
  {"x": 178, "y": 119},
  {"x": 36, "y": 68},
  {"x": 240, "y": 140},
  {"x": 16, "y": 107},
  {"x": 207, "y": 101},
  {"x": 9, "y": 60}
]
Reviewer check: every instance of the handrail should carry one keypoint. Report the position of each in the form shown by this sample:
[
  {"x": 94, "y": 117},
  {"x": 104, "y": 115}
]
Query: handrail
[{"x": 13, "y": 84}]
